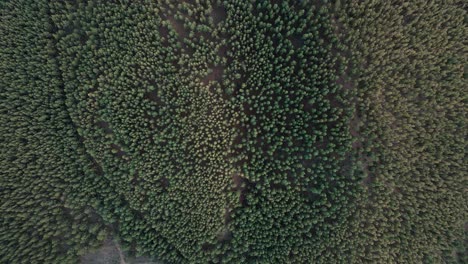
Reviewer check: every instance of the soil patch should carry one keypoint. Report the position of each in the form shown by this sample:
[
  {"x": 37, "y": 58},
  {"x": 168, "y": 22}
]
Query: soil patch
[
  {"x": 178, "y": 26},
  {"x": 216, "y": 74},
  {"x": 106, "y": 254},
  {"x": 218, "y": 14},
  {"x": 296, "y": 41}
]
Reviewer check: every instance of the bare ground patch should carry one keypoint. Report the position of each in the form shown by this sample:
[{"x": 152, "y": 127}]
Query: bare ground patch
[
  {"x": 218, "y": 14},
  {"x": 104, "y": 126},
  {"x": 216, "y": 74},
  {"x": 178, "y": 26},
  {"x": 153, "y": 96},
  {"x": 296, "y": 41},
  {"x": 111, "y": 253},
  {"x": 106, "y": 254}
]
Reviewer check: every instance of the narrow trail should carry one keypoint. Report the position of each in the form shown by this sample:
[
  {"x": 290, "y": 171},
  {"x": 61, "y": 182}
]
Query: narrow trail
[{"x": 121, "y": 255}]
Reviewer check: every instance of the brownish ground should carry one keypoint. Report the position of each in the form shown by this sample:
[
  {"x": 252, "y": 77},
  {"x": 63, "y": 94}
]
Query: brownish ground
[{"x": 111, "y": 253}]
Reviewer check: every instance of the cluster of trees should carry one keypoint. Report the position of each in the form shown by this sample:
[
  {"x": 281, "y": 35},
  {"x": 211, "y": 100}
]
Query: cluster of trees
[
  {"x": 222, "y": 146},
  {"x": 41, "y": 158},
  {"x": 408, "y": 66},
  {"x": 292, "y": 135},
  {"x": 232, "y": 131},
  {"x": 134, "y": 85}
]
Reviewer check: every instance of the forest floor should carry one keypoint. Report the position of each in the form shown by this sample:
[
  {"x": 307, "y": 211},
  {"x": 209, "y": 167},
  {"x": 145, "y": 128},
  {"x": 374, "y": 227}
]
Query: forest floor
[
  {"x": 108, "y": 253},
  {"x": 111, "y": 253}
]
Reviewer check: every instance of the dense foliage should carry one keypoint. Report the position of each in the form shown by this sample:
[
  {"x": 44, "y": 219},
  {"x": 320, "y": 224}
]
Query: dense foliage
[
  {"x": 41, "y": 158},
  {"x": 409, "y": 66},
  {"x": 233, "y": 131}
]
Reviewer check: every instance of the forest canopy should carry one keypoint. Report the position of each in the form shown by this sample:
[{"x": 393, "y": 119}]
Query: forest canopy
[{"x": 232, "y": 131}]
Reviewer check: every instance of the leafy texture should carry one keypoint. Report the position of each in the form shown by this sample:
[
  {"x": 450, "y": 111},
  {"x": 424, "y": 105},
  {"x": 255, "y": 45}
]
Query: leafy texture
[{"x": 233, "y": 131}]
